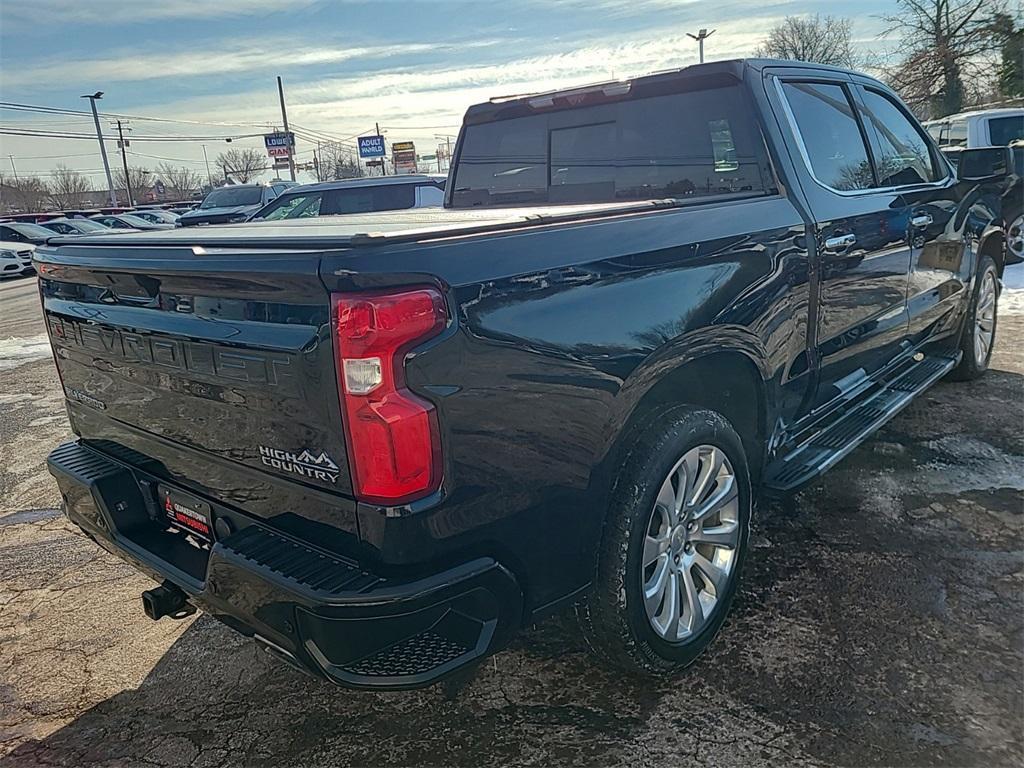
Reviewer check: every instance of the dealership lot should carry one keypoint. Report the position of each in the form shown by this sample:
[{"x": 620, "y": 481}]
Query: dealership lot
[{"x": 880, "y": 623}]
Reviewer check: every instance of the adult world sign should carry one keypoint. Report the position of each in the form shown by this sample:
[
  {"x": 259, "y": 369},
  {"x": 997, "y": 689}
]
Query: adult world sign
[{"x": 371, "y": 146}]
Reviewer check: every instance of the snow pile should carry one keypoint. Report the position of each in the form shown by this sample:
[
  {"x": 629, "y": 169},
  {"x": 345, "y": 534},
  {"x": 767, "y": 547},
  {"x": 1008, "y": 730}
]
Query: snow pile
[
  {"x": 15, "y": 352},
  {"x": 1011, "y": 302}
]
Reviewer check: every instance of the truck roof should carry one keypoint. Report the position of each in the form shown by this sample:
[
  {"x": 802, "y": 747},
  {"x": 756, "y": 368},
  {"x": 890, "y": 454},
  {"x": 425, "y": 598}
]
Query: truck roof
[
  {"x": 503, "y": 107},
  {"x": 370, "y": 181}
]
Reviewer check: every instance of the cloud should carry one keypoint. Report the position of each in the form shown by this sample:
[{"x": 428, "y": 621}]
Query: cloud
[
  {"x": 439, "y": 96},
  {"x": 265, "y": 55},
  {"x": 103, "y": 11}
]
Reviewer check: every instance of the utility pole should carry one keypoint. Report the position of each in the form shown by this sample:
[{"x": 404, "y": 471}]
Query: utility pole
[
  {"x": 384, "y": 157},
  {"x": 700, "y": 37},
  {"x": 284, "y": 118},
  {"x": 103, "y": 150},
  {"x": 209, "y": 176},
  {"x": 316, "y": 161},
  {"x": 14, "y": 169},
  {"x": 124, "y": 161}
]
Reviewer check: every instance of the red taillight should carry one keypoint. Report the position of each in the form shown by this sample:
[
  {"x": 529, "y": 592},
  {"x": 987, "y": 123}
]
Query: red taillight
[{"x": 394, "y": 449}]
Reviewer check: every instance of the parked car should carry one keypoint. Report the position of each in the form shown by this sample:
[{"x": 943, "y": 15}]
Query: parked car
[
  {"x": 381, "y": 443},
  {"x": 127, "y": 221},
  {"x": 156, "y": 216},
  {"x": 77, "y": 227},
  {"x": 230, "y": 204},
  {"x": 979, "y": 128},
  {"x": 375, "y": 193},
  {"x": 983, "y": 128},
  {"x": 15, "y": 258},
  {"x": 24, "y": 232}
]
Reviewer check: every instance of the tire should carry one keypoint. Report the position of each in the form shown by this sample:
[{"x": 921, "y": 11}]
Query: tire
[
  {"x": 981, "y": 314},
  {"x": 615, "y": 620}
]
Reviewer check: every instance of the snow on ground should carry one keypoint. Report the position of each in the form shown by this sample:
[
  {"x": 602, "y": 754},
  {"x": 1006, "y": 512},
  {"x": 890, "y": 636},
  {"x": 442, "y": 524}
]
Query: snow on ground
[
  {"x": 1011, "y": 302},
  {"x": 15, "y": 352}
]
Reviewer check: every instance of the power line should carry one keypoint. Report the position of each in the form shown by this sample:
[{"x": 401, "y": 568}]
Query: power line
[
  {"x": 75, "y": 135},
  {"x": 159, "y": 157},
  {"x": 15, "y": 106}
]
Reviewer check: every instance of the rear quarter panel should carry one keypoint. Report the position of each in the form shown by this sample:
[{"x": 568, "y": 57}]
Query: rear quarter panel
[{"x": 558, "y": 332}]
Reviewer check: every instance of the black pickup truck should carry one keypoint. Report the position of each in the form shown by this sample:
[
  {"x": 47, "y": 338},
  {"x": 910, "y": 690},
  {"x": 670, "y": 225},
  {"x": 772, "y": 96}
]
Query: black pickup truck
[{"x": 381, "y": 443}]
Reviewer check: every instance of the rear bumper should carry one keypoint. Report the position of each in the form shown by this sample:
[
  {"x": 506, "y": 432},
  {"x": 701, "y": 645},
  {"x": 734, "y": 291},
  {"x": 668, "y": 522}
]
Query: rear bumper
[{"x": 317, "y": 610}]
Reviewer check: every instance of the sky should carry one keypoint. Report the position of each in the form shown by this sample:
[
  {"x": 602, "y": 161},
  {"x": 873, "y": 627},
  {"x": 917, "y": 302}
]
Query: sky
[{"x": 413, "y": 66}]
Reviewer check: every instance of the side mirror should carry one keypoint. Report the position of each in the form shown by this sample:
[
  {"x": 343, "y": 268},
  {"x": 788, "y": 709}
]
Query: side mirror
[{"x": 984, "y": 164}]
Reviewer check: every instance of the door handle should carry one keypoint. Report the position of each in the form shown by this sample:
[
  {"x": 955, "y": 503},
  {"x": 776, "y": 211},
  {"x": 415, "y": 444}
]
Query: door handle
[
  {"x": 840, "y": 242},
  {"x": 921, "y": 221}
]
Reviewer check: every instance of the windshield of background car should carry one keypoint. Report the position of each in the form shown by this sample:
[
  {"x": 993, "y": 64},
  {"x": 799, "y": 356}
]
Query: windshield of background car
[
  {"x": 228, "y": 197},
  {"x": 134, "y": 221},
  {"x": 687, "y": 145},
  {"x": 334, "y": 202},
  {"x": 1003, "y": 130},
  {"x": 84, "y": 225},
  {"x": 31, "y": 230}
]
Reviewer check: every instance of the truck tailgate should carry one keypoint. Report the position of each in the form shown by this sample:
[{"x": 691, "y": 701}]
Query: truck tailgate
[{"x": 215, "y": 362}]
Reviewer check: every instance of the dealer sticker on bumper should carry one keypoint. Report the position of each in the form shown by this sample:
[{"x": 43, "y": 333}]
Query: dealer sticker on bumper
[{"x": 187, "y": 512}]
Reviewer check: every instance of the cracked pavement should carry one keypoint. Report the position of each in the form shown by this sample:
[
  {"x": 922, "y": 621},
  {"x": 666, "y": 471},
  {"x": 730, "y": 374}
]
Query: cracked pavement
[{"x": 880, "y": 622}]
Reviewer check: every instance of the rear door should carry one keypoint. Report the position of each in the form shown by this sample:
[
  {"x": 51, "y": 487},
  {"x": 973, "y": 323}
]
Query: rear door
[
  {"x": 908, "y": 164},
  {"x": 861, "y": 232}
]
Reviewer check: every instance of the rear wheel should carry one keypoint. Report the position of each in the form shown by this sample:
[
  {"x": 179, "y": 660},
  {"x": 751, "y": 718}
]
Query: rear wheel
[
  {"x": 1015, "y": 237},
  {"x": 673, "y": 546},
  {"x": 979, "y": 332}
]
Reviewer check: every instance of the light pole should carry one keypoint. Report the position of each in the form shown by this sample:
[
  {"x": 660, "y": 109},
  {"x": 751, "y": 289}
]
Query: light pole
[
  {"x": 124, "y": 160},
  {"x": 700, "y": 37},
  {"x": 209, "y": 176},
  {"x": 284, "y": 118},
  {"x": 103, "y": 150}
]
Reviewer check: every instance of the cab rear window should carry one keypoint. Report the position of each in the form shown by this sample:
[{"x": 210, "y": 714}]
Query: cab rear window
[{"x": 697, "y": 145}]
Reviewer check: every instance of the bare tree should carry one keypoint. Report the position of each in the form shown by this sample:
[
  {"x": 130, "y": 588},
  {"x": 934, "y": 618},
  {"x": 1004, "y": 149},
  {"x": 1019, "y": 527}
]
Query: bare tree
[
  {"x": 242, "y": 165},
  {"x": 180, "y": 182},
  {"x": 339, "y": 162},
  {"x": 68, "y": 187},
  {"x": 140, "y": 180},
  {"x": 943, "y": 45},
  {"x": 28, "y": 193},
  {"x": 824, "y": 39}
]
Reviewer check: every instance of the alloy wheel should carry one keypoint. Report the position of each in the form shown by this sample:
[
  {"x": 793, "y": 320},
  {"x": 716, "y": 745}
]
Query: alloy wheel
[
  {"x": 985, "y": 318},
  {"x": 691, "y": 544},
  {"x": 1015, "y": 237}
]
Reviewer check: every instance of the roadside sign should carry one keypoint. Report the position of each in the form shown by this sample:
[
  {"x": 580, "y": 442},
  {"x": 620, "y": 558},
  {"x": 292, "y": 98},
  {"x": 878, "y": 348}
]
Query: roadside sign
[
  {"x": 279, "y": 144},
  {"x": 280, "y": 162},
  {"x": 374, "y": 163},
  {"x": 371, "y": 146},
  {"x": 279, "y": 139},
  {"x": 403, "y": 156}
]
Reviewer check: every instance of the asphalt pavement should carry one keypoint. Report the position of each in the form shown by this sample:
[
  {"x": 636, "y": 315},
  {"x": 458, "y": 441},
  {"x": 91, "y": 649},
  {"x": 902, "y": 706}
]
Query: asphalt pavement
[{"x": 880, "y": 622}]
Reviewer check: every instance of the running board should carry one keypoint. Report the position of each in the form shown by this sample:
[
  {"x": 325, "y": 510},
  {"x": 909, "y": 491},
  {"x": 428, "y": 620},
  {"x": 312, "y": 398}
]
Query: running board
[{"x": 826, "y": 446}]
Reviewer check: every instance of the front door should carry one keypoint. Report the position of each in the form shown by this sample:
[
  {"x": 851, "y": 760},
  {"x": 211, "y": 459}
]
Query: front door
[{"x": 863, "y": 249}]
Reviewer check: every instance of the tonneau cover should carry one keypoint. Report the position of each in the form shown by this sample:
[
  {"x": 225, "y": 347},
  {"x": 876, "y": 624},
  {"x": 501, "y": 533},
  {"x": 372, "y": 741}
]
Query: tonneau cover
[{"x": 358, "y": 229}]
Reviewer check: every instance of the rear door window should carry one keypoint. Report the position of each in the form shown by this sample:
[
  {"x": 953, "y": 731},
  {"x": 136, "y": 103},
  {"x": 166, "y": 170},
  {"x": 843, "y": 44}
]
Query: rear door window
[
  {"x": 1003, "y": 130},
  {"x": 903, "y": 155},
  {"x": 831, "y": 138},
  {"x": 699, "y": 144}
]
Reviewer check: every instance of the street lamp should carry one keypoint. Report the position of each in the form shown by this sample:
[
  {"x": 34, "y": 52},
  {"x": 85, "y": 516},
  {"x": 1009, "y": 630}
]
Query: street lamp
[
  {"x": 103, "y": 150},
  {"x": 700, "y": 37}
]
